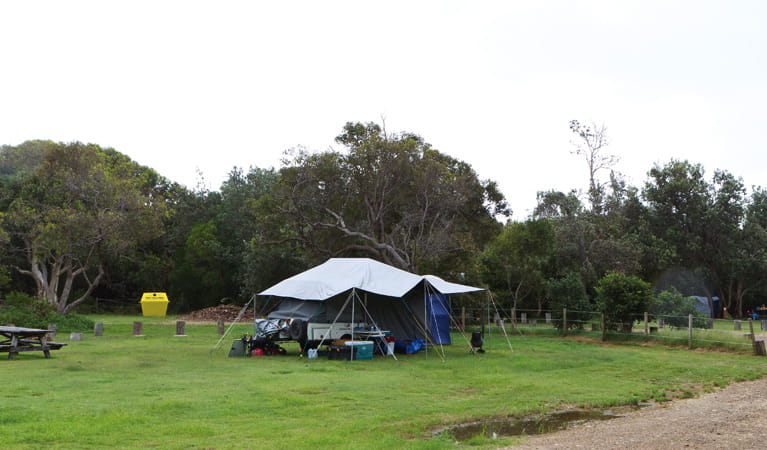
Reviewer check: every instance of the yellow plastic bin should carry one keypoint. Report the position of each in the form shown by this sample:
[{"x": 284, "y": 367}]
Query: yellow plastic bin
[{"x": 154, "y": 304}]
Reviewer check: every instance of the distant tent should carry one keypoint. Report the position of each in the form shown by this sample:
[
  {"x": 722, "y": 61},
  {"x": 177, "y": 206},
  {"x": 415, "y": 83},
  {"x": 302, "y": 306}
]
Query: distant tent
[
  {"x": 701, "y": 305},
  {"x": 409, "y": 305}
]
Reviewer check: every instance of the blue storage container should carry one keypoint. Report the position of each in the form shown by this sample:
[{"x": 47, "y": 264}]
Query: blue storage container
[{"x": 363, "y": 349}]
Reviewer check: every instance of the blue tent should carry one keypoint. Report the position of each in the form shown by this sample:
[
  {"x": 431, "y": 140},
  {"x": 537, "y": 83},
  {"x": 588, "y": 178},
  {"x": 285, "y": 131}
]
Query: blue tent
[{"x": 439, "y": 318}]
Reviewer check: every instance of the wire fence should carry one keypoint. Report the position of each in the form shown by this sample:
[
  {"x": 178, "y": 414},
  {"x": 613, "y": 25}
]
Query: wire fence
[{"x": 690, "y": 331}]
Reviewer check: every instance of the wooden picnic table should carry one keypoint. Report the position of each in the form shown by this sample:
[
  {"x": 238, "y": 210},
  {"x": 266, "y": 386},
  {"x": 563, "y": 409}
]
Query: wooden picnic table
[{"x": 18, "y": 339}]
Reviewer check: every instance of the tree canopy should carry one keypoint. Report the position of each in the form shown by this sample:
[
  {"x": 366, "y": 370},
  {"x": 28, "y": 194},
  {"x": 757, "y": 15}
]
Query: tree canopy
[
  {"x": 388, "y": 196},
  {"x": 79, "y": 221},
  {"x": 79, "y": 205}
]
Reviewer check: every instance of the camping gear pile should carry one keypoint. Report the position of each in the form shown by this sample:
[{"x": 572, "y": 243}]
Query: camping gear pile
[{"x": 263, "y": 342}]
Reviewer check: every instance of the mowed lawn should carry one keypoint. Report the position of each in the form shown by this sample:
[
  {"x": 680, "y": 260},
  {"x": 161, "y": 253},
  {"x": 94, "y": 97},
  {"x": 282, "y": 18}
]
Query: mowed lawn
[{"x": 161, "y": 391}]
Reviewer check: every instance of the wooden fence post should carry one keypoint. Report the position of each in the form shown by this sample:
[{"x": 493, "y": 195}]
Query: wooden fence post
[
  {"x": 752, "y": 336},
  {"x": 604, "y": 327},
  {"x": 564, "y": 321},
  {"x": 138, "y": 328},
  {"x": 514, "y": 318},
  {"x": 736, "y": 325},
  {"x": 52, "y": 334},
  {"x": 220, "y": 327},
  {"x": 180, "y": 328},
  {"x": 759, "y": 348},
  {"x": 98, "y": 329},
  {"x": 646, "y": 325},
  {"x": 689, "y": 327}
]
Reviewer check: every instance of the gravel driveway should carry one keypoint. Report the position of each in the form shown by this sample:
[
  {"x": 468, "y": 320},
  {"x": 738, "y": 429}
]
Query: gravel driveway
[{"x": 732, "y": 418}]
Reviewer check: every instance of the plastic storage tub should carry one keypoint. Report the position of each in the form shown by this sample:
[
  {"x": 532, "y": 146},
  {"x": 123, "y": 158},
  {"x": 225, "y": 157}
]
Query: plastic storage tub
[
  {"x": 341, "y": 352},
  {"x": 364, "y": 349}
]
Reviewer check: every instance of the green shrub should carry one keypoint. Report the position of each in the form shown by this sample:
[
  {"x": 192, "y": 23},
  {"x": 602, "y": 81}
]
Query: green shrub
[
  {"x": 69, "y": 322},
  {"x": 26, "y": 311},
  {"x": 568, "y": 292},
  {"x": 675, "y": 309},
  {"x": 22, "y": 301},
  {"x": 622, "y": 298}
]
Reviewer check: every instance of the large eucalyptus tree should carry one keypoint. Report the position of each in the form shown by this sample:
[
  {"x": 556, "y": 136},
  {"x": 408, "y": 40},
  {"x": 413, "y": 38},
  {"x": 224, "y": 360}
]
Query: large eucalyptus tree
[
  {"x": 79, "y": 206},
  {"x": 388, "y": 196}
]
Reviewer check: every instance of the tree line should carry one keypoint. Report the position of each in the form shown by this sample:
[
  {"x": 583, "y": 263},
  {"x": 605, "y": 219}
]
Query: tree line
[
  {"x": 78, "y": 221},
  {"x": 682, "y": 232}
]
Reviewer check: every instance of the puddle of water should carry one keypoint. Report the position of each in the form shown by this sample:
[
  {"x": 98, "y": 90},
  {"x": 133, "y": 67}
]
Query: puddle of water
[{"x": 545, "y": 423}]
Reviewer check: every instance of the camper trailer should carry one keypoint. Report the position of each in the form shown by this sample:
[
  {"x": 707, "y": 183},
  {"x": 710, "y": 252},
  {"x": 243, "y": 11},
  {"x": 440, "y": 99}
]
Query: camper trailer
[
  {"x": 359, "y": 298},
  {"x": 311, "y": 334}
]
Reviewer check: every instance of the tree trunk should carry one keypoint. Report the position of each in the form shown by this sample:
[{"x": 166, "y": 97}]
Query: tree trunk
[
  {"x": 47, "y": 281},
  {"x": 66, "y": 308}
]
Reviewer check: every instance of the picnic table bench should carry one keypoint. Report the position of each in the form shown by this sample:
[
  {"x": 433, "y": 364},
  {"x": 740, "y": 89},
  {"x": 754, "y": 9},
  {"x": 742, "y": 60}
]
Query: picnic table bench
[{"x": 17, "y": 339}]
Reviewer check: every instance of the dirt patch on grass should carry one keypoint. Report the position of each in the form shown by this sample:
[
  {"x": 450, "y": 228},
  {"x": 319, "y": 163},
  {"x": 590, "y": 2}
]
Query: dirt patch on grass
[{"x": 733, "y": 417}]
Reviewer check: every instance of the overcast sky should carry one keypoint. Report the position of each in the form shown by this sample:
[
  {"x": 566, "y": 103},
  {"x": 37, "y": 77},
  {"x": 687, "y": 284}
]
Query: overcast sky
[{"x": 189, "y": 86}]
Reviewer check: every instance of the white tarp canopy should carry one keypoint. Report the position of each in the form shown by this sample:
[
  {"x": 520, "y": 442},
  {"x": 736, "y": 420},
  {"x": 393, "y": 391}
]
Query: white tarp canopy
[
  {"x": 338, "y": 275},
  {"x": 408, "y": 306},
  {"x": 446, "y": 287}
]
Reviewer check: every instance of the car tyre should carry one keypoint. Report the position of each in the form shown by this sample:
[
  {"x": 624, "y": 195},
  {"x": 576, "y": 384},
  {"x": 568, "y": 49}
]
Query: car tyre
[{"x": 297, "y": 330}]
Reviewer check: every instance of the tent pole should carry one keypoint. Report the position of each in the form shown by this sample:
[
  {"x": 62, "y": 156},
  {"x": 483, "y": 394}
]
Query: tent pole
[
  {"x": 483, "y": 314},
  {"x": 263, "y": 307},
  {"x": 426, "y": 320},
  {"x": 343, "y": 308},
  {"x": 236, "y": 320},
  {"x": 503, "y": 328},
  {"x": 416, "y": 319},
  {"x": 461, "y": 329},
  {"x": 372, "y": 320},
  {"x": 431, "y": 293},
  {"x": 354, "y": 296}
]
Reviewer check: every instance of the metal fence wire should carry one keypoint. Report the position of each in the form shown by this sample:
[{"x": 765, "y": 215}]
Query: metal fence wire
[{"x": 690, "y": 331}]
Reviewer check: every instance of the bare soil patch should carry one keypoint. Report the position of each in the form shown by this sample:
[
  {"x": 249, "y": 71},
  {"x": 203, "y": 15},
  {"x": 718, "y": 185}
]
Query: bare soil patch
[{"x": 734, "y": 417}]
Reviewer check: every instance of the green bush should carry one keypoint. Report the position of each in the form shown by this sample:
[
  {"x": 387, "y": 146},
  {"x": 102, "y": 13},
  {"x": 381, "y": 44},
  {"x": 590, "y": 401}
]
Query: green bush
[
  {"x": 622, "y": 298},
  {"x": 568, "y": 292},
  {"x": 675, "y": 309},
  {"x": 26, "y": 311},
  {"x": 69, "y": 322}
]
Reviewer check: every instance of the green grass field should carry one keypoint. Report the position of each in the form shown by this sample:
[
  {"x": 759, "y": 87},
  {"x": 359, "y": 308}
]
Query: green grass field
[{"x": 161, "y": 391}]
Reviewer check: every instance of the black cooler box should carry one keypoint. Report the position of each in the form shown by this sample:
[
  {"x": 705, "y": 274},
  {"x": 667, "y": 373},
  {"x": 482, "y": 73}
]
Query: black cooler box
[{"x": 341, "y": 352}]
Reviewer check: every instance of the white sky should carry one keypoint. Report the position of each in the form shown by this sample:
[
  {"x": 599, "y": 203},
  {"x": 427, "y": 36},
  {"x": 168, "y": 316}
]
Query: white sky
[{"x": 182, "y": 86}]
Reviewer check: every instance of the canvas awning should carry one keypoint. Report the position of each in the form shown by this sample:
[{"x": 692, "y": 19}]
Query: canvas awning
[
  {"x": 338, "y": 275},
  {"x": 446, "y": 287}
]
